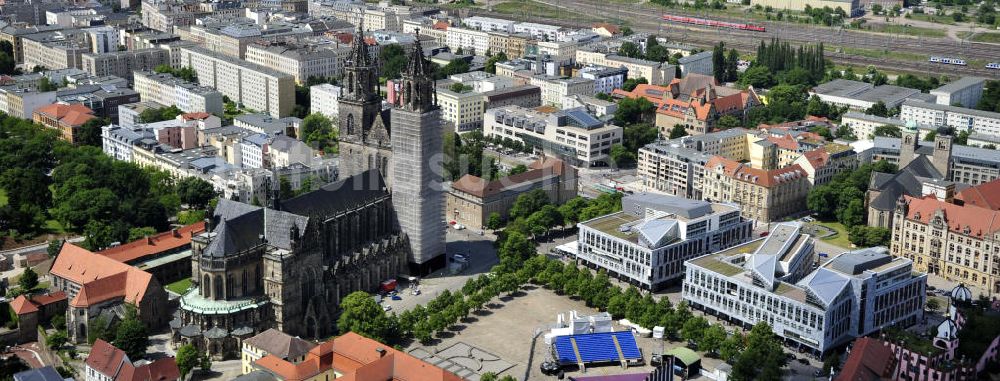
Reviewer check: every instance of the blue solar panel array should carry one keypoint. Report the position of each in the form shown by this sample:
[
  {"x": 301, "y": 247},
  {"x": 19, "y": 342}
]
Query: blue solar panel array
[{"x": 596, "y": 347}]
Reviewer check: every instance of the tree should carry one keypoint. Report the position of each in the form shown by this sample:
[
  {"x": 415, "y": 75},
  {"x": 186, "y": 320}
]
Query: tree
[
  {"x": 712, "y": 338},
  {"x": 455, "y": 66},
  {"x": 55, "y": 246},
  {"x": 728, "y": 121},
  {"x": 516, "y": 245},
  {"x": 731, "y": 347},
  {"x": 195, "y": 192},
  {"x": 28, "y": 280},
  {"x": 7, "y": 63},
  {"x": 817, "y": 107},
  {"x": 822, "y": 200},
  {"x": 694, "y": 329},
  {"x": 831, "y": 361},
  {"x": 491, "y": 63},
  {"x": 763, "y": 357},
  {"x": 90, "y": 132},
  {"x": 622, "y": 157},
  {"x": 629, "y": 49},
  {"x": 933, "y": 304},
  {"x": 57, "y": 340},
  {"x": 756, "y": 76},
  {"x": 520, "y": 168},
  {"x": 188, "y": 358},
  {"x": 678, "y": 131},
  {"x": 627, "y": 31},
  {"x": 631, "y": 83},
  {"x": 46, "y": 85},
  {"x": 888, "y": 130},
  {"x": 393, "y": 58},
  {"x": 317, "y": 131},
  {"x": 634, "y": 110},
  {"x": 658, "y": 53},
  {"x": 488, "y": 376},
  {"x": 719, "y": 62},
  {"x": 878, "y": 109},
  {"x": 99, "y": 328},
  {"x": 360, "y": 314},
  {"x": 527, "y": 203},
  {"x": 732, "y": 66},
  {"x": 131, "y": 335},
  {"x": 494, "y": 222}
]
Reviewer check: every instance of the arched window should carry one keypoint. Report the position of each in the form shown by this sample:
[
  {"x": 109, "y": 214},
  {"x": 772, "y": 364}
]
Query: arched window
[
  {"x": 206, "y": 286},
  {"x": 350, "y": 124}
]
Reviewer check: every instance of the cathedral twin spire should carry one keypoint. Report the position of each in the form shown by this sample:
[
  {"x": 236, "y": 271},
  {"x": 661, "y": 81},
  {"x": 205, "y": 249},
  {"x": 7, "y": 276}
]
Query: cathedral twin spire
[{"x": 417, "y": 92}]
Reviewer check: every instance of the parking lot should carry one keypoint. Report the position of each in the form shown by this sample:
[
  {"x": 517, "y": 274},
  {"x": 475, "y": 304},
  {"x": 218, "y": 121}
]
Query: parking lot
[{"x": 480, "y": 257}]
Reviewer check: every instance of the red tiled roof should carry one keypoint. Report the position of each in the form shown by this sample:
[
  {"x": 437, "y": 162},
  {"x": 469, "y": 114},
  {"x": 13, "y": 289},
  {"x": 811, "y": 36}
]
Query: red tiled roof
[
  {"x": 479, "y": 187},
  {"x": 196, "y": 116},
  {"x": 870, "y": 359},
  {"x": 767, "y": 179},
  {"x": 977, "y": 220},
  {"x": 611, "y": 28},
  {"x": 164, "y": 369},
  {"x": 23, "y": 304},
  {"x": 986, "y": 195},
  {"x": 114, "y": 363},
  {"x": 20, "y": 305},
  {"x": 358, "y": 359},
  {"x": 156, "y": 244},
  {"x": 105, "y": 358},
  {"x": 69, "y": 114},
  {"x": 817, "y": 158},
  {"x": 440, "y": 25},
  {"x": 101, "y": 278},
  {"x": 785, "y": 141}
]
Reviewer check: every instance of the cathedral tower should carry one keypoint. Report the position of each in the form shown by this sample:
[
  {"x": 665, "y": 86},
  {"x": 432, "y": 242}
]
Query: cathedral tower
[
  {"x": 417, "y": 194},
  {"x": 364, "y": 128}
]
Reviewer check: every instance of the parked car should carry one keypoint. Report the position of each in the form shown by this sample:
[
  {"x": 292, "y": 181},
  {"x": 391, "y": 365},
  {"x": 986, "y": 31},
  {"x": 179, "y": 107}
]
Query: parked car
[
  {"x": 549, "y": 368},
  {"x": 386, "y": 308},
  {"x": 460, "y": 257}
]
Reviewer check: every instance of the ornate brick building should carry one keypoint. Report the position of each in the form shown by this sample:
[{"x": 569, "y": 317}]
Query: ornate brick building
[{"x": 287, "y": 268}]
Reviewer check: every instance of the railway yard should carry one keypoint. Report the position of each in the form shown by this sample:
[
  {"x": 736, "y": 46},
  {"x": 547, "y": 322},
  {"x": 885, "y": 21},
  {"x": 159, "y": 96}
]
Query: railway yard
[{"x": 893, "y": 52}]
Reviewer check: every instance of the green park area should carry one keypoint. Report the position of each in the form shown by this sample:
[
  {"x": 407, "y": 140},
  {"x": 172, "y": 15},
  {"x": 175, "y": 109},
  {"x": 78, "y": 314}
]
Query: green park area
[
  {"x": 840, "y": 238},
  {"x": 179, "y": 287}
]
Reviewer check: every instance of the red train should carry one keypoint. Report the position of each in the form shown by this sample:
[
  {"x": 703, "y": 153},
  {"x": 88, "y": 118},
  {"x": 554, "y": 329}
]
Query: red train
[{"x": 713, "y": 23}]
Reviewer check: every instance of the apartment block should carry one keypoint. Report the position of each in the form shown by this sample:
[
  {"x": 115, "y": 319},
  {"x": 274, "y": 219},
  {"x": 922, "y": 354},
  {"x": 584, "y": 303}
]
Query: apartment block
[
  {"x": 977, "y": 122},
  {"x": 325, "y": 99},
  {"x": 860, "y": 96},
  {"x": 299, "y": 61},
  {"x": 462, "y": 111},
  {"x": 526, "y": 96},
  {"x": 964, "y": 92},
  {"x": 169, "y": 90},
  {"x": 251, "y": 85},
  {"x": 554, "y": 88},
  {"x": 54, "y": 50},
  {"x": 647, "y": 243},
  {"x": 606, "y": 79},
  {"x": 123, "y": 64},
  {"x": 657, "y": 73}
]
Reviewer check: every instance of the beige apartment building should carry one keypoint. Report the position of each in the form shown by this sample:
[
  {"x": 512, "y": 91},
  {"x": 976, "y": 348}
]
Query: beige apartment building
[
  {"x": 299, "y": 61},
  {"x": 657, "y": 73},
  {"x": 123, "y": 64},
  {"x": 956, "y": 236},
  {"x": 461, "y": 111},
  {"x": 472, "y": 199},
  {"x": 254, "y": 86},
  {"x": 53, "y": 50},
  {"x": 511, "y": 44},
  {"x": 763, "y": 195},
  {"x": 166, "y": 89}
]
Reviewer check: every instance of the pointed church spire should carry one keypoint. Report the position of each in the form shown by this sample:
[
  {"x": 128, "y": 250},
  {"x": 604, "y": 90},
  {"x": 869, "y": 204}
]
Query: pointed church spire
[
  {"x": 418, "y": 90},
  {"x": 359, "y": 49}
]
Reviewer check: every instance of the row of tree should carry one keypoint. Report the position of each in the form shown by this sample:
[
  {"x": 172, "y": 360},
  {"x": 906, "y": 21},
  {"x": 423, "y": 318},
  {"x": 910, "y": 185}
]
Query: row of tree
[{"x": 464, "y": 154}]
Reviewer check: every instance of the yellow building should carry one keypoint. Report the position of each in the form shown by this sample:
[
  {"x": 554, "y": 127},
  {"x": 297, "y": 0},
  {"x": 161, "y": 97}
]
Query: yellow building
[
  {"x": 954, "y": 236},
  {"x": 763, "y": 195},
  {"x": 461, "y": 110}
]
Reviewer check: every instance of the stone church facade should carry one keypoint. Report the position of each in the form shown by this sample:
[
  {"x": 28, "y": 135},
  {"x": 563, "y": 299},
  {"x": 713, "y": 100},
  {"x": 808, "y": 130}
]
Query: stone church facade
[{"x": 288, "y": 267}]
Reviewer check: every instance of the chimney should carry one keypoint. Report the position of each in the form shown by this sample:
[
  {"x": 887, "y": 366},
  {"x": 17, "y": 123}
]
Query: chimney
[
  {"x": 381, "y": 352},
  {"x": 149, "y": 240},
  {"x": 175, "y": 233}
]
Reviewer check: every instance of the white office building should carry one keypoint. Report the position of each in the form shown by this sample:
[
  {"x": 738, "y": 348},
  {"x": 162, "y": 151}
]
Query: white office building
[
  {"x": 647, "y": 243},
  {"x": 964, "y": 92},
  {"x": 573, "y": 135},
  {"x": 606, "y": 79},
  {"x": 324, "y": 99},
  {"x": 977, "y": 122},
  {"x": 771, "y": 280}
]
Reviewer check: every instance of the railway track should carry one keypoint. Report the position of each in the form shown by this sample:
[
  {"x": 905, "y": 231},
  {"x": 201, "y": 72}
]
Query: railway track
[{"x": 748, "y": 41}]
